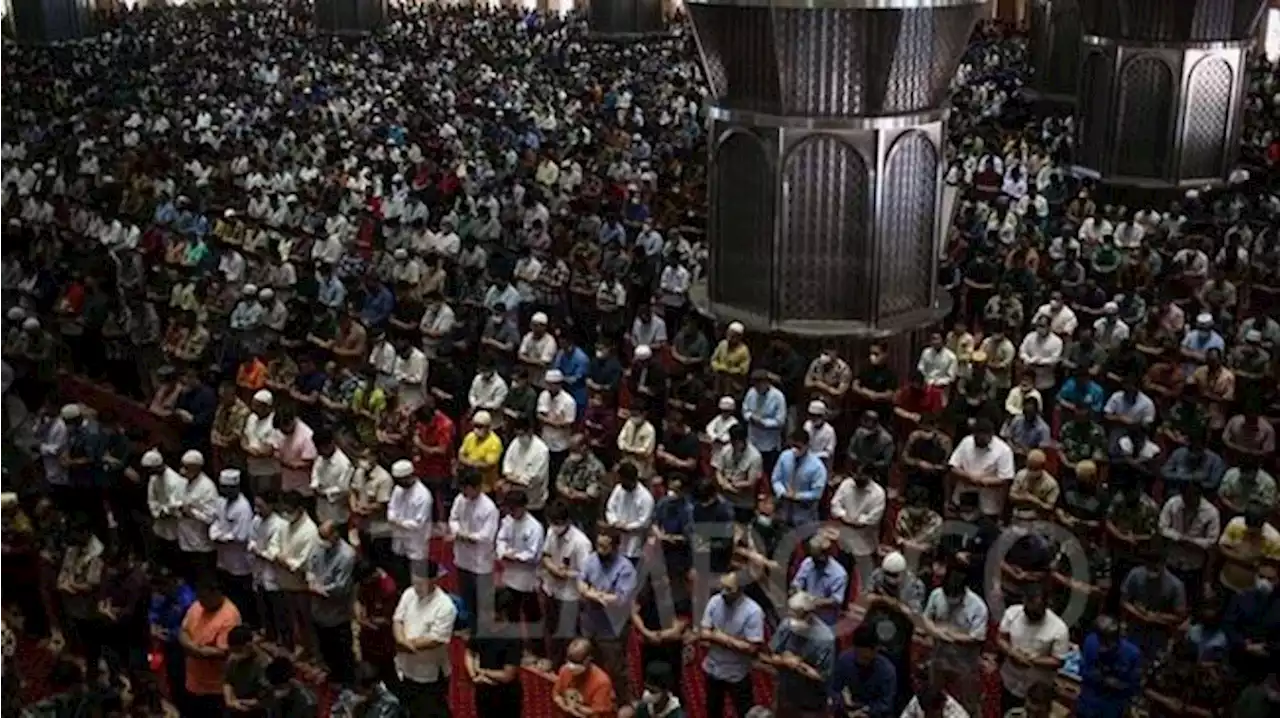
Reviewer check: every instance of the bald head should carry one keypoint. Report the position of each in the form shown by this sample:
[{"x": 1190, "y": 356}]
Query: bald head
[{"x": 579, "y": 651}]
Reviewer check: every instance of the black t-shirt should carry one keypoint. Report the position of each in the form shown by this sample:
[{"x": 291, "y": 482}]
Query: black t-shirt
[
  {"x": 683, "y": 447},
  {"x": 878, "y": 379},
  {"x": 496, "y": 654},
  {"x": 245, "y": 676}
]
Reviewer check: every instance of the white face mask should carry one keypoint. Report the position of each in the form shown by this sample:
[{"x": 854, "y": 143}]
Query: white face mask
[
  {"x": 650, "y": 697},
  {"x": 1264, "y": 585},
  {"x": 799, "y": 625}
]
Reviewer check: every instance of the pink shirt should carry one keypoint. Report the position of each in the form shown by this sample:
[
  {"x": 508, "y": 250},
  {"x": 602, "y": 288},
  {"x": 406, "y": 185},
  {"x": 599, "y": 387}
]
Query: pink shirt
[{"x": 297, "y": 446}]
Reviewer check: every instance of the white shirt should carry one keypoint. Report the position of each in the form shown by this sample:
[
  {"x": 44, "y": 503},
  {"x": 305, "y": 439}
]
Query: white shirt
[
  {"x": 487, "y": 393},
  {"x": 570, "y": 549},
  {"x": 520, "y": 550},
  {"x": 558, "y": 408},
  {"x": 265, "y": 543},
  {"x": 1042, "y": 354},
  {"x": 330, "y": 481},
  {"x": 630, "y": 512},
  {"x": 540, "y": 350},
  {"x": 259, "y": 433},
  {"x": 200, "y": 506},
  {"x": 431, "y": 617},
  {"x": 298, "y": 540},
  {"x": 409, "y": 514},
  {"x": 166, "y": 490},
  {"x": 383, "y": 358},
  {"x": 230, "y": 531},
  {"x": 950, "y": 709},
  {"x": 1061, "y": 322},
  {"x": 863, "y": 506},
  {"x": 718, "y": 428},
  {"x": 373, "y": 484},
  {"x": 476, "y": 519},
  {"x": 939, "y": 366},
  {"x": 994, "y": 461},
  {"x": 822, "y": 439},
  {"x": 1202, "y": 530},
  {"x": 1049, "y": 637},
  {"x": 527, "y": 463}
]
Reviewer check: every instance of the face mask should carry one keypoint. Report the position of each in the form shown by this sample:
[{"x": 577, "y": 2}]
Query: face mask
[
  {"x": 764, "y": 520},
  {"x": 650, "y": 698},
  {"x": 1264, "y": 585},
  {"x": 576, "y": 669},
  {"x": 799, "y": 625},
  {"x": 601, "y": 354}
]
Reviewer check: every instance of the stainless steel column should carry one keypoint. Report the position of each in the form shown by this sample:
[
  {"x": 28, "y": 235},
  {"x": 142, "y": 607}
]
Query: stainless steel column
[
  {"x": 1054, "y": 49},
  {"x": 44, "y": 21},
  {"x": 350, "y": 17},
  {"x": 1161, "y": 88},
  {"x": 624, "y": 18},
  {"x": 826, "y": 136}
]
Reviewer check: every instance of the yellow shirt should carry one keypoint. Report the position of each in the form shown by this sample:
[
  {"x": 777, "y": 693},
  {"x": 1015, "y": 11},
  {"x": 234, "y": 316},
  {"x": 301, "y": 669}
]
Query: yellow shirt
[
  {"x": 736, "y": 360},
  {"x": 1238, "y": 575},
  {"x": 486, "y": 451}
]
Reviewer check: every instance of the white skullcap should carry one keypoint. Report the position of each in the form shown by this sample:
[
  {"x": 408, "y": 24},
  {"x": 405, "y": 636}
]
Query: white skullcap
[
  {"x": 801, "y": 602},
  {"x": 727, "y": 403},
  {"x": 539, "y": 318},
  {"x": 894, "y": 563},
  {"x": 1204, "y": 319},
  {"x": 401, "y": 253},
  {"x": 193, "y": 458},
  {"x": 250, "y": 290},
  {"x": 1253, "y": 336},
  {"x": 555, "y": 376},
  {"x": 152, "y": 460},
  {"x": 16, "y": 314},
  {"x": 817, "y": 408},
  {"x": 736, "y": 328},
  {"x": 229, "y": 477},
  {"x": 482, "y": 418},
  {"x": 31, "y": 323},
  {"x": 266, "y": 294},
  {"x": 401, "y": 469},
  {"x": 229, "y": 213},
  {"x": 1111, "y": 308},
  {"x": 71, "y": 411},
  {"x": 643, "y": 352},
  {"x": 263, "y": 396}
]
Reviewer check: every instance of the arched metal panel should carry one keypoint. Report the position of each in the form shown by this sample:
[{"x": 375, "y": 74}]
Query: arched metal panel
[
  {"x": 742, "y": 256},
  {"x": 905, "y": 252},
  {"x": 1146, "y": 108},
  {"x": 1094, "y": 114},
  {"x": 824, "y": 274},
  {"x": 1208, "y": 113}
]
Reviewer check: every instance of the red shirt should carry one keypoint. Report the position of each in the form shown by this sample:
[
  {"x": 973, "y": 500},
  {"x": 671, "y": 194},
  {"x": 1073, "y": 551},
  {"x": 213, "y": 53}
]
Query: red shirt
[
  {"x": 437, "y": 433},
  {"x": 926, "y": 400},
  {"x": 379, "y": 598}
]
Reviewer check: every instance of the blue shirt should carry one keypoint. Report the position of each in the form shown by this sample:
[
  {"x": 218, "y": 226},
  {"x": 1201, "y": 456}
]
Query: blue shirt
[
  {"x": 1098, "y": 700},
  {"x": 1141, "y": 409},
  {"x": 807, "y": 475},
  {"x": 331, "y": 292},
  {"x": 1090, "y": 394},
  {"x": 619, "y": 579},
  {"x": 574, "y": 366},
  {"x": 1180, "y": 469},
  {"x": 378, "y": 305},
  {"x": 1032, "y": 434},
  {"x": 828, "y": 581},
  {"x": 611, "y": 232},
  {"x": 743, "y": 619},
  {"x": 816, "y": 646},
  {"x": 770, "y": 409},
  {"x": 166, "y": 213},
  {"x": 508, "y": 297},
  {"x": 872, "y": 688},
  {"x": 168, "y": 611},
  {"x": 1202, "y": 342}
]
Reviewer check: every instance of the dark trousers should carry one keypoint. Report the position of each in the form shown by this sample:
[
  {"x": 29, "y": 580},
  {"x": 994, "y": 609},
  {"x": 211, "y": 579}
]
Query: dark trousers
[
  {"x": 399, "y": 566},
  {"x": 612, "y": 653},
  {"x": 298, "y": 607},
  {"x": 197, "y": 563},
  {"x": 240, "y": 590},
  {"x": 561, "y": 628},
  {"x": 203, "y": 706},
  {"x": 335, "y": 649},
  {"x": 740, "y": 694},
  {"x": 475, "y": 588},
  {"x": 275, "y": 617},
  {"x": 175, "y": 670},
  {"x": 425, "y": 700},
  {"x": 498, "y": 700},
  {"x": 1009, "y": 701},
  {"x": 526, "y": 608},
  {"x": 165, "y": 553}
]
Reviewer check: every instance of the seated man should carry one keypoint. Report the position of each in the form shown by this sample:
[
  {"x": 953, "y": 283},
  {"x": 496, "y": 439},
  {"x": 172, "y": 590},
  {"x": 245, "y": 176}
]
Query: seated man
[
  {"x": 659, "y": 700},
  {"x": 583, "y": 688}
]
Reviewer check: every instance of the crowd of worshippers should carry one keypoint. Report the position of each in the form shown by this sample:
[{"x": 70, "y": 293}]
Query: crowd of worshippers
[{"x": 433, "y": 287}]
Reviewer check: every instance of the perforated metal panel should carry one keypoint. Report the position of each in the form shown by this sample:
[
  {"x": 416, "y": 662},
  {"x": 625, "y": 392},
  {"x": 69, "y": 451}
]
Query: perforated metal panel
[
  {"x": 905, "y": 242},
  {"x": 1146, "y": 107},
  {"x": 1172, "y": 20},
  {"x": 737, "y": 44},
  {"x": 742, "y": 223},
  {"x": 1093, "y": 110},
  {"x": 823, "y": 273},
  {"x": 1055, "y": 46},
  {"x": 1204, "y": 138}
]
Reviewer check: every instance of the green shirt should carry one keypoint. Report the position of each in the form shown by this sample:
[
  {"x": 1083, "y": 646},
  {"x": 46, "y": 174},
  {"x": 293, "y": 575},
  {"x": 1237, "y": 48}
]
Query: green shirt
[{"x": 1082, "y": 440}]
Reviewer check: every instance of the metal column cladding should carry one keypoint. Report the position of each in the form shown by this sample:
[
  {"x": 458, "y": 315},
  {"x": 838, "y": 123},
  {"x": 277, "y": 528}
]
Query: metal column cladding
[
  {"x": 48, "y": 21},
  {"x": 826, "y": 136},
  {"x": 1160, "y": 89},
  {"x": 624, "y": 18},
  {"x": 350, "y": 17},
  {"x": 1054, "y": 49}
]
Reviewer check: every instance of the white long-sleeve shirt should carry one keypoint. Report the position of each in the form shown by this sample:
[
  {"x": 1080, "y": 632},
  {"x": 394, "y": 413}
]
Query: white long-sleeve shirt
[
  {"x": 474, "y": 525},
  {"x": 330, "y": 482},
  {"x": 630, "y": 512},
  {"x": 488, "y": 394},
  {"x": 230, "y": 533},
  {"x": 297, "y": 542},
  {"x": 373, "y": 484},
  {"x": 1042, "y": 354},
  {"x": 266, "y": 540},
  {"x": 409, "y": 513},
  {"x": 568, "y": 548},
  {"x": 519, "y": 547},
  {"x": 259, "y": 433},
  {"x": 166, "y": 490},
  {"x": 1062, "y": 322},
  {"x": 411, "y": 373},
  {"x": 861, "y": 506},
  {"x": 558, "y": 408},
  {"x": 526, "y": 463},
  {"x": 200, "y": 506},
  {"x": 939, "y": 366}
]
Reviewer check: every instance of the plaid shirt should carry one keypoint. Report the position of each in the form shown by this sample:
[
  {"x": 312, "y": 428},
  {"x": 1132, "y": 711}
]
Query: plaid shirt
[
  {"x": 552, "y": 281},
  {"x": 230, "y": 418},
  {"x": 1142, "y": 518},
  {"x": 282, "y": 371},
  {"x": 1082, "y": 441}
]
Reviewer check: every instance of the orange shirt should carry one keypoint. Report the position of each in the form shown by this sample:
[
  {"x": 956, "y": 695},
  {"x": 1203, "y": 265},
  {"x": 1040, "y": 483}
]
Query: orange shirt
[
  {"x": 252, "y": 375},
  {"x": 204, "y": 675},
  {"x": 594, "y": 689}
]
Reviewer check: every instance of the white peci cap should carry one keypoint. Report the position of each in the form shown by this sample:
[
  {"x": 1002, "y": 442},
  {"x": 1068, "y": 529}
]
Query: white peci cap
[
  {"x": 736, "y": 328},
  {"x": 538, "y": 318},
  {"x": 229, "y": 477},
  {"x": 894, "y": 563},
  {"x": 643, "y": 352},
  {"x": 817, "y": 408},
  {"x": 555, "y": 376},
  {"x": 401, "y": 469},
  {"x": 71, "y": 411},
  {"x": 152, "y": 460},
  {"x": 263, "y": 396},
  {"x": 193, "y": 458},
  {"x": 727, "y": 403}
]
